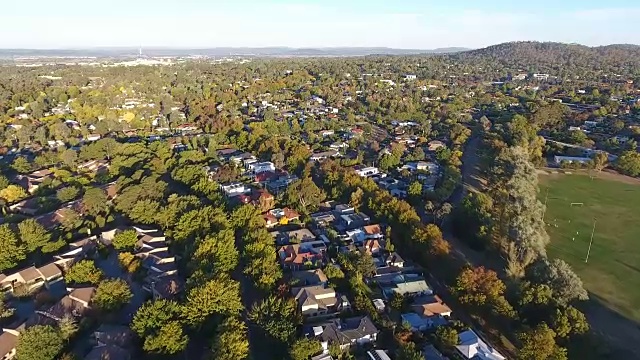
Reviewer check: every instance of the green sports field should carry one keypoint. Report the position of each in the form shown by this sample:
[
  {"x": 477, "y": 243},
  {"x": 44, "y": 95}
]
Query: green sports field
[{"x": 613, "y": 270}]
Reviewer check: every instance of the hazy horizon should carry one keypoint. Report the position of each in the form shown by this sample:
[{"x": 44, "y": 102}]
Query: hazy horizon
[{"x": 404, "y": 24}]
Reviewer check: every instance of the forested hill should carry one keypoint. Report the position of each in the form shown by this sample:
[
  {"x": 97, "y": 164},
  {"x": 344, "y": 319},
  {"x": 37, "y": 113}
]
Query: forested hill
[{"x": 539, "y": 56}]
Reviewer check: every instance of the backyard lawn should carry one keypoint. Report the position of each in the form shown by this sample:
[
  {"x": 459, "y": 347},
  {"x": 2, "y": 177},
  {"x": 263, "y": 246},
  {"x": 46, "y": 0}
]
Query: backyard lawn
[{"x": 613, "y": 270}]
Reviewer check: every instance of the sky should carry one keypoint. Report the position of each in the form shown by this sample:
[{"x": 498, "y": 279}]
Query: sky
[{"x": 406, "y": 24}]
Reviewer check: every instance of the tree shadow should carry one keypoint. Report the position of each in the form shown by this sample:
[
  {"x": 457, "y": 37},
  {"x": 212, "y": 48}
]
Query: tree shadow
[{"x": 621, "y": 333}]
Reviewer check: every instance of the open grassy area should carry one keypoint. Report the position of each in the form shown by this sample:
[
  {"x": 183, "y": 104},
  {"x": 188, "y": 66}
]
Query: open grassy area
[{"x": 613, "y": 270}]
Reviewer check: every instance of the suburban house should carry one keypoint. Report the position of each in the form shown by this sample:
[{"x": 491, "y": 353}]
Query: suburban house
[
  {"x": 394, "y": 259},
  {"x": 282, "y": 181},
  {"x": 32, "y": 181},
  {"x": 372, "y": 231},
  {"x": 559, "y": 160},
  {"x": 472, "y": 347},
  {"x": 280, "y": 216},
  {"x": 242, "y": 158},
  {"x": 297, "y": 256},
  {"x": 428, "y": 312},
  {"x": 259, "y": 167},
  {"x": 344, "y": 333},
  {"x": 31, "y": 278},
  {"x": 226, "y": 154},
  {"x": 314, "y": 277},
  {"x": 320, "y": 156},
  {"x": 415, "y": 166},
  {"x": 300, "y": 236},
  {"x": 350, "y": 221},
  {"x": 378, "y": 355},
  {"x": 50, "y": 273},
  {"x": 77, "y": 251},
  {"x": 429, "y": 306},
  {"x": 323, "y": 219},
  {"x": 367, "y": 171},
  {"x": 234, "y": 189},
  {"x": 95, "y": 166},
  {"x": 431, "y": 353},
  {"x": 434, "y": 145},
  {"x": 27, "y": 206},
  {"x": 372, "y": 247},
  {"x": 263, "y": 199},
  {"x": 318, "y": 301},
  {"x": 8, "y": 343},
  {"x": 407, "y": 285}
]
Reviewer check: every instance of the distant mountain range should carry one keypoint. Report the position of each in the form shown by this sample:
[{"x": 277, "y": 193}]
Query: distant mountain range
[{"x": 222, "y": 51}]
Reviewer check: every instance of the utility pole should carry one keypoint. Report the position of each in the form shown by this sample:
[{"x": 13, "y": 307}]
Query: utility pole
[{"x": 591, "y": 241}]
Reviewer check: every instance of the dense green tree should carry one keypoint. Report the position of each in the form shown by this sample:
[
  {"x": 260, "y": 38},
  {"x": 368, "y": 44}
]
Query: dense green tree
[
  {"x": 67, "y": 193},
  {"x": 304, "y": 349},
  {"x": 217, "y": 296},
  {"x": 628, "y": 163},
  {"x": 169, "y": 339},
  {"x": 5, "y": 311},
  {"x": 13, "y": 193},
  {"x": 231, "y": 341},
  {"x": 84, "y": 272},
  {"x": 94, "y": 202},
  {"x": 4, "y": 182},
  {"x": 278, "y": 317},
  {"x": 304, "y": 195},
  {"x": 409, "y": 352},
  {"x": 569, "y": 321},
  {"x": 447, "y": 336},
  {"x": 564, "y": 282},
  {"x": 68, "y": 327},
  {"x": 217, "y": 253},
  {"x": 537, "y": 344},
  {"x": 125, "y": 240},
  {"x": 12, "y": 252},
  {"x": 113, "y": 294},
  {"x": 33, "y": 235},
  {"x": 39, "y": 342},
  {"x": 21, "y": 165},
  {"x": 158, "y": 324}
]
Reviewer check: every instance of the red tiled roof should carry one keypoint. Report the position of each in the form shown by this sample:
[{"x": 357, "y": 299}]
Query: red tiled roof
[{"x": 291, "y": 214}]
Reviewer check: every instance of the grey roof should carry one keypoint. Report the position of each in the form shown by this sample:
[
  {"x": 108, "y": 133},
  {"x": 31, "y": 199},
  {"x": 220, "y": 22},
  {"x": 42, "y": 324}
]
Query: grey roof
[
  {"x": 118, "y": 335},
  {"x": 108, "y": 352},
  {"x": 348, "y": 330}
]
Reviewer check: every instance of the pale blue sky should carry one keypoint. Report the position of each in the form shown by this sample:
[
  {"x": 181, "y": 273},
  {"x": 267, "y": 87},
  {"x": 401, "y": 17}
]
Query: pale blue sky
[{"x": 421, "y": 24}]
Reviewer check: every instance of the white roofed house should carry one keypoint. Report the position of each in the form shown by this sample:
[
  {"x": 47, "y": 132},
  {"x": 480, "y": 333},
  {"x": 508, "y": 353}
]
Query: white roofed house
[
  {"x": 367, "y": 171},
  {"x": 472, "y": 347},
  {"x": 234, "y": 189}
]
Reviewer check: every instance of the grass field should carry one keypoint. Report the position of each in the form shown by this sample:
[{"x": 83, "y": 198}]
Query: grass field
[{"x": 613, "y": 271}]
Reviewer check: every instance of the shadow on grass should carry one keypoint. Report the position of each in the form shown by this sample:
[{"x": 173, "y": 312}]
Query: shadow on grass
[
  {"x": 620, "y": 335},
  {"x": 631, "y": 267}
]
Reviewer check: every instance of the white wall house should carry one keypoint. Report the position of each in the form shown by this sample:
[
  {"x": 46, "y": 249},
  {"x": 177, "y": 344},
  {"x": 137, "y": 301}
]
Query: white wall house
[
  {"x": 234, "y": 189},
  {"x": 368, "y": 171}
]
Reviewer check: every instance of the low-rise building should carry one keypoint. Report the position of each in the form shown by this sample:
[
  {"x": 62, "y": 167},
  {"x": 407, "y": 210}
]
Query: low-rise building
[
  {"x": 367, "y": 171},
  {"x": 404, "y": 284},
  {"x": 299, "y": 256},
  {"x": 472, "y": 347},
  {"x": 318, "y": 301},
  {"x": 344, "y": 333},
  {"x": 234, "y": 189}
]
